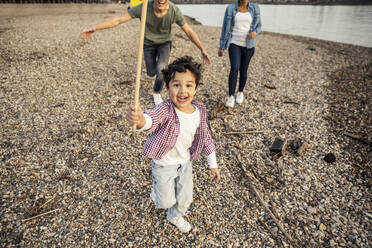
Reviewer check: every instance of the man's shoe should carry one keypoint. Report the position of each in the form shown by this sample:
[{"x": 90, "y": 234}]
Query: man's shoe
[
  {"x": 181, "y": 224},
  {"x": 150, "y": 77},
  {"x": 157, "y": 98},
  {"x": 239, "y": 97},
  {"x": 230, "y": 102}
]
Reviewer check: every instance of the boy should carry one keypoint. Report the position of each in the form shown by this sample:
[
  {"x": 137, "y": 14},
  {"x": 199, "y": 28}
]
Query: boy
[{"x": 179, "y": 133}]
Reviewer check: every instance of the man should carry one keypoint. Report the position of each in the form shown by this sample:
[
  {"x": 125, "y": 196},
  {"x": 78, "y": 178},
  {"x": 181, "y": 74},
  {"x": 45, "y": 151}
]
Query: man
[{"x": 161, "y": 14}]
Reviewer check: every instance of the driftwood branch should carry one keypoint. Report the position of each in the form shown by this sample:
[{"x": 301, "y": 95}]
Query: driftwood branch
[
  {"x": 363, "y": 140},
  {"x": 291, "y": 102},
  {"x": 276, "y": 238},
  {"x": 261, "y": 200},
  {"x": 270, "y": 87},
  {"x": 40, "y": 215},
  {"x": 263, "y": 203},
  {"x": 243, "y": 132},
  {"x": 42, "y": 206},
  {"x": 219, "y": 107},
  {"x": 58, "y": 105},
  {"x": 306, "y": 218}
]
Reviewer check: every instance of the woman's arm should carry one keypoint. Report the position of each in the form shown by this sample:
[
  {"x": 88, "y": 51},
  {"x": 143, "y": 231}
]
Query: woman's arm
[
  {"x": 258, "y": 16},
  {"x": 226, "y": 23},
  {"x": 256, "y": 29}
]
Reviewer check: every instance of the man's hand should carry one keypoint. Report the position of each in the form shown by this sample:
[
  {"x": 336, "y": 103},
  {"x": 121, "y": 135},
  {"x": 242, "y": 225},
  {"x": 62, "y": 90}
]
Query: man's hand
[
  {"x": 220, "y": 52},
  {"x": 108, "y": 23},
  {"x": 252, "y": 35},
  {"x": 195, "y": 39},
  {"x": 215, "y": 172},
  {"x": 135, "y": 117},
  {"x": 206, "y": 58},
  {"x": 87, "y": 32}
]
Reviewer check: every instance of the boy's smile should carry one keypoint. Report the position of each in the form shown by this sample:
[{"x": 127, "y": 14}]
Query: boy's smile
[{"x": 182, "y": 90}]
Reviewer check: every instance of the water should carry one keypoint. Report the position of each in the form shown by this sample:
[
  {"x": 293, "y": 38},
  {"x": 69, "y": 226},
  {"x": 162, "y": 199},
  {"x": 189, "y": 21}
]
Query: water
[{"x": 346, "y": 24}]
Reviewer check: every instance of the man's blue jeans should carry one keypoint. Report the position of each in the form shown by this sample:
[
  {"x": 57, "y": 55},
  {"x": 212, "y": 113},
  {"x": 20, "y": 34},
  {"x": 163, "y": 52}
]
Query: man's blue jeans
[
  {"x": 156, "y": 59},
  {"x": 239, "y": 62}
]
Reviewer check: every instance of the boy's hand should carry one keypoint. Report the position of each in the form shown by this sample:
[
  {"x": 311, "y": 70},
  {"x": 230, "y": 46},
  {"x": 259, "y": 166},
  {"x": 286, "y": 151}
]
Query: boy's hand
[
  {"x": 215, "y": 172},
  {"x": 135, "y": 117},
  {"x": 220, "y": 52}
]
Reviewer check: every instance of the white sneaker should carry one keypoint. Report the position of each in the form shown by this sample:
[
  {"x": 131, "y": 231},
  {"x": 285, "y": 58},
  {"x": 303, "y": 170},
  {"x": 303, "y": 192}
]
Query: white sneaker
[
  {"x": 150, "y": 77},
  {"x": 239, "y": 97},
  {"x": 157, "y": 98},
  {"x": 181, "y": 224},
  {"x": 152, "y": 195},
  {"x": 230, "y": 102}
]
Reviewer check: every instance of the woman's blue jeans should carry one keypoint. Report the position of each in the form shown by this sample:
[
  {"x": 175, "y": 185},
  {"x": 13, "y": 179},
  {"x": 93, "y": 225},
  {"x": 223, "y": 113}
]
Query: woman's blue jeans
[
  {"x": 239, "y": 62},
  {"x": 156, "y": 59}
]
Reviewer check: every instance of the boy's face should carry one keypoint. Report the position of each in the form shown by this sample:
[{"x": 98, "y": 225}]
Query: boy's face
[{"x": 182, "y": 90}]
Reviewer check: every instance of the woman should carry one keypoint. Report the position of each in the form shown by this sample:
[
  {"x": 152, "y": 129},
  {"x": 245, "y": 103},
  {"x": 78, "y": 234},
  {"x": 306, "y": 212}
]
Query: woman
[{"x": 241, "y": 24}]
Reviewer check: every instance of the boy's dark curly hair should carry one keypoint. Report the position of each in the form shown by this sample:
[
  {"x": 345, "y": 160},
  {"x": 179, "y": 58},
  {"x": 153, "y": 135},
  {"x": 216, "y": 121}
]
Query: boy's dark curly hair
[{"x": 181, "y": 65}]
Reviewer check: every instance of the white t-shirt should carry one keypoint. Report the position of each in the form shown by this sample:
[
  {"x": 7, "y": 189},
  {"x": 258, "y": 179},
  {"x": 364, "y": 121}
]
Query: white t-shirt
[
  {"x": 180, "y": 153},
  {"x": 241, "y": 28}
]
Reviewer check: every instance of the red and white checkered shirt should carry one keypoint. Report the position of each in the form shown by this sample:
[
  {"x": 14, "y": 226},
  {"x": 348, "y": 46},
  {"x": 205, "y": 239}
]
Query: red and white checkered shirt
[{"x": 166, "y": 127}]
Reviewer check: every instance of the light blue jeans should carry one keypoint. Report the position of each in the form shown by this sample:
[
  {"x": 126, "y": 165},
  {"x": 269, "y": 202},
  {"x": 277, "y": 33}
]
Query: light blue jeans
[{"x": 172, "y": 188}]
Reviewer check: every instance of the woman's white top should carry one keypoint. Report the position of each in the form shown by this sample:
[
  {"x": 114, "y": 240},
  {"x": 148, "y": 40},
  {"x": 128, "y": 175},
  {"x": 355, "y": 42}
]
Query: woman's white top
[{"x": 241, "y": 28}]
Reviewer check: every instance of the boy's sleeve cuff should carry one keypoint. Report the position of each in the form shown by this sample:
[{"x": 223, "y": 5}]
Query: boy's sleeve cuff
[
  {"x": 212, "y": 161},
  {"x": 147, "y": 125}
]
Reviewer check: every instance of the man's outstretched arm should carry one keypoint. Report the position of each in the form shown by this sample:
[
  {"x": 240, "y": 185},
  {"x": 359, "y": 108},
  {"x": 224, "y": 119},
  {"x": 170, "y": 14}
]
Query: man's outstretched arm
[
  {"x": 195, "y": 39},
  {"x": 108, "y": 23}
]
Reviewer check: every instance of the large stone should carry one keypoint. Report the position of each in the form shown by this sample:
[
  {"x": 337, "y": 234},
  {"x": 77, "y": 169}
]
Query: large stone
[
  {"x": 278, "y": 147},
  {"x": 330, "y": 158}
]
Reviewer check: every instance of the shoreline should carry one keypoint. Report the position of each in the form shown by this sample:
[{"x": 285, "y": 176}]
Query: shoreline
[
  {"x": 71, "y": 175},
  {"x": 75, "y": 8},
  {"x": 309, "y": 40}
]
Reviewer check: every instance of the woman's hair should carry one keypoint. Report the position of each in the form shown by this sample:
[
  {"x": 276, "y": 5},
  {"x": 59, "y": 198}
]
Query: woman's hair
[
  {"x": 240, "y": 2},
  {"x": 181, "y": 65}
]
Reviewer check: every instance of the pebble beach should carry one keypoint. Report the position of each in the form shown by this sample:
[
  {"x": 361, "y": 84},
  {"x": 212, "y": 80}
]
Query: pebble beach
[{"x": 71, "y": 174}]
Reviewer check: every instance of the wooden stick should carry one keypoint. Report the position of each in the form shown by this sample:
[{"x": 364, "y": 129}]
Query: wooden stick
[
  {"x": 268, "y": 210},
  {"x": 42, "y": 206},
  {"x": 139, "y": 59},
  {"x": 58, "y": 105},
  {"x": 307, "y": 218},
  {"x": 37, "y": 216},
  {"x": 291, "y": 102},
  {"x": 263, "y": 203},
  {"x": 276, "y": 238},
  {"x": 270, "y": 87},
  {"x": 243, "y": 132}
]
